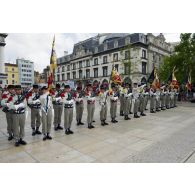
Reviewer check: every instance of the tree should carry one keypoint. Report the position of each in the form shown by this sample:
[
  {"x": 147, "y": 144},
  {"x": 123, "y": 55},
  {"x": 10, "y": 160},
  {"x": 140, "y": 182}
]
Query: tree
[{"x": 183, "y": 60}]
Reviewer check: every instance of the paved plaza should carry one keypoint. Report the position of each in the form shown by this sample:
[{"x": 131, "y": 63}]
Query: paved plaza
[{"x": 167, "y": 136}]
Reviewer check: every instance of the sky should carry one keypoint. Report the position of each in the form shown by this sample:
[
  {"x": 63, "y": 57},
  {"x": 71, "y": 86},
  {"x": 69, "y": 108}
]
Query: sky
[{"x": 37, "y": 46}]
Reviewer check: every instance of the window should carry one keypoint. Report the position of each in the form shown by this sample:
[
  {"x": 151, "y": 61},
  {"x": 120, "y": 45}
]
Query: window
[
  {"x": 87, "y": 73},
  {"x": 116, "y": 67},
  {"x": 143, "y": 67},
  {"x": 63, "y": 77},
  {"x": 12, "y": 69},
  {"x": 13, "y": 75},
  {"x": 74, "y": 75},
  {"x": 144, "y": 54},
  {"x": 127, "y": 69},
  {"x": 96, "y": 61},
  {"x": 95, "y": 72},
  {"x": 68, "y": 76},
  {"x": 115, "y": 44},
  {"x": 115, "y": 57},
  {"x": 74, "y": 66},
  {"x": 127, "y": 40},
  {"x": 68, "y": 68},
  {"x": 105, "y": 71},
  {"x": 80, "y": 74},
  {"x": 87, "y": 63},
  {"x": 12, "y": 82},
  {"x": 58, "y": 78},
  {"x": 62, "y": 68},
  {"x": 127, "y": 54},
  {"x": 105, "y": 59},
  {"x": 105, "y": 46},
  {"x": 80, "y": 64},
  {"x": 154, "y": 57},
  {"x": 58, "y": 69}
]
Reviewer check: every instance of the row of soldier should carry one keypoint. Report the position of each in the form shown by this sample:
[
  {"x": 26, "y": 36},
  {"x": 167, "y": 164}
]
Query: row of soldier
[{"x": 47, "y": 105}]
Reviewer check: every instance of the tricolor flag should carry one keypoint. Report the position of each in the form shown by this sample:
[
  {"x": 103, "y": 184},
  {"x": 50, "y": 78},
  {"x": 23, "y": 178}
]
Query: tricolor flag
[
  {"x": 115, "y": 77},
  {"x": 189, "y": 83},
  {"x": 53, "y": 65}
]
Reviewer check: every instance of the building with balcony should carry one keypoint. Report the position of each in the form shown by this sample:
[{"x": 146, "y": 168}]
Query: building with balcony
[{"x": 133, "y": 55}]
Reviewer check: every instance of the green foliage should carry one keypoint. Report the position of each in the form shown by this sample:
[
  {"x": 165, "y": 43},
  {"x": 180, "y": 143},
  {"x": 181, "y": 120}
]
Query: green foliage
[{"x": 183, "y": 60}]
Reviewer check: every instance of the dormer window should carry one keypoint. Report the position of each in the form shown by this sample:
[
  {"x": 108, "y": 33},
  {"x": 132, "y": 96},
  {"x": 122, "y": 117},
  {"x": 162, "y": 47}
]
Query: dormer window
[
  {"x": 105, "y": 46},
  {"x": 96, "y": 49},
  {"x": 115, "y": 44},
  {"x": 127, "y": 40}
]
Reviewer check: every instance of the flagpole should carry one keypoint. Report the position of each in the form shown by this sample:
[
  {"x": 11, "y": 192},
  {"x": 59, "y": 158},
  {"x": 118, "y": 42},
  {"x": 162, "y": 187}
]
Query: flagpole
[{"x": 109, "y": 82}]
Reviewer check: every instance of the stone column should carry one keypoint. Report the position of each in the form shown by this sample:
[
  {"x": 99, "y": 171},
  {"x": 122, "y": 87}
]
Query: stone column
[{"x": 2, "y": 62}]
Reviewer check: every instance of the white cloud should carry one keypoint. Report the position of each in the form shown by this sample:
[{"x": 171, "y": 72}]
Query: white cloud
[{"x": 37, "y": 47}]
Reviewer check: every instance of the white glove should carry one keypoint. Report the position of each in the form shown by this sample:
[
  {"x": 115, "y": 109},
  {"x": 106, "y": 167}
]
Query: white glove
[
  {"x": 36, "y": 101},
  {"x": 58, "y": 98},
  {"x": 130, "y": 94}
]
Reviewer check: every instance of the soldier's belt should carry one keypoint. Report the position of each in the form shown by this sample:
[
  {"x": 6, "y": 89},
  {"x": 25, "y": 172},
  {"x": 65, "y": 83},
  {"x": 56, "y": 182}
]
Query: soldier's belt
[
  {"x": 77, "y": 103},
  {"x": 57, "y": 103},
  {"x": 5, "y": 109},
  {"x": 113, "y": 100},
  {"x": 68, "y": 106},
  {"x": 19, "y": 111},
  {"x": 36, "y": 106},
  {"x": 90, "y": 102}
]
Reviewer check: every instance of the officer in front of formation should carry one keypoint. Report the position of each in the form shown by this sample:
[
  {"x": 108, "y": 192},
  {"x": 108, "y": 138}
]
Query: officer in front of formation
[
  {"x": 68, "y": 109},
  {"x": 7, "y": 97},
  {"x": 79, "y": 105},
  {"x": 18, "y": 107},
  {"x": 35, "y": 106},
  {"x": 57, "y": 97},
  {"x": 46, "y": 113}
]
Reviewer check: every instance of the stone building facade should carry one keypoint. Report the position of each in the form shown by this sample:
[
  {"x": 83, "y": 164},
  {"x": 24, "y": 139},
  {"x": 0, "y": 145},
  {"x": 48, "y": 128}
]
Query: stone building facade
[{"x": 133, "y": 55}]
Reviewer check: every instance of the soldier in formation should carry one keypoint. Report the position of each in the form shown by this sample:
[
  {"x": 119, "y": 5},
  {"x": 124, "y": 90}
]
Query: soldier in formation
[
  {"x": 42, "y": 105},
  {"x": 35, "y": 106},
  {"x": 57, "y": 99},
  {"x": 103, "y": 105}
]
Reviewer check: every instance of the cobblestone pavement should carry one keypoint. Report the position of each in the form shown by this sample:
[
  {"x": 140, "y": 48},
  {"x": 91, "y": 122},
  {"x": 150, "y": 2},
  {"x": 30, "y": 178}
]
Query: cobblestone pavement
[{"x": 167, "y": 136}]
